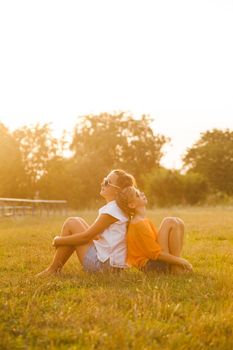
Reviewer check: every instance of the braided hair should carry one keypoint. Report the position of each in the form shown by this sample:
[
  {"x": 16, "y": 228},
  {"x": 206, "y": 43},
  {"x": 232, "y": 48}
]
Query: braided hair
[
  {"x": 126, "y": 182},
  {"x": 124, "y": 179},
  {"x": 124, "y": 197}
]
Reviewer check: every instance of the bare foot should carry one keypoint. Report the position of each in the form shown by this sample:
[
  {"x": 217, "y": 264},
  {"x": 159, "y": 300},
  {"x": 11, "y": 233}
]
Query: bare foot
[{"x": 48, "y": 273}]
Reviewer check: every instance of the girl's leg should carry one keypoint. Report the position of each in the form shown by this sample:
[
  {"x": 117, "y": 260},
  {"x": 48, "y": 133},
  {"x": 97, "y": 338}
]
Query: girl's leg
[
  {"x": 176, "y": 237},
  {"x": 85, "y": 224},
  {"x": 171, "y": 237},
  {"x": 62, "y": 254}
]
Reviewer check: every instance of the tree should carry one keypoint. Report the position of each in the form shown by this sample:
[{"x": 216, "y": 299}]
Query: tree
[
  {"x": 119, "y": 140},
  {"x": 212, "y": 157},
  {"x": 12, "y": 171},
  {"x": 37, "y": 146},
  {"x": 58, "y": 180},
  {"x": 165, "y": 187},
  {"x": 104, "y": 142},
  {"x": 195, "y": 188}
]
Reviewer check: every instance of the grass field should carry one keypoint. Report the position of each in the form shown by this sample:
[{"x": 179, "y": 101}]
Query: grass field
[{"x": 130, "y": 310}]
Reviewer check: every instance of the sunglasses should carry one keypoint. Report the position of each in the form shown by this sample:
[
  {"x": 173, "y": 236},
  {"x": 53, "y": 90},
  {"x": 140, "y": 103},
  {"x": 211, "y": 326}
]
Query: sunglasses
[
  {"x": 138, "y": 194},
  {"x": 107, "y": 183}
]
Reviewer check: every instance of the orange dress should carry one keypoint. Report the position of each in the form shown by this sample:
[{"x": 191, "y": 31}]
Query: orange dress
[{"x": 142, "y": 243}]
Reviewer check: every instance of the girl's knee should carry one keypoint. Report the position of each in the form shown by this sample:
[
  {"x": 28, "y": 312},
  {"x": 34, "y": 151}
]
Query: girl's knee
[
  {"x": 170, "y": 221},
  {"x": 180, "y": 223},
  {"x": 72, "y": 223},
  {"x": 68, "y": 221},
  {"x": 174, "y": 223}
]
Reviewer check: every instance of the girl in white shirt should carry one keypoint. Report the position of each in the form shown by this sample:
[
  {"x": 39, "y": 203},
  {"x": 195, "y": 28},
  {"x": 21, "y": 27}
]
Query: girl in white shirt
[{"x": 102, "y": 245}]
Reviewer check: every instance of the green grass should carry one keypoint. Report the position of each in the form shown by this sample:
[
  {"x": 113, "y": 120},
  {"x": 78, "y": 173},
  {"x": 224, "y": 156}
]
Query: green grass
[{"x": 130, "y": 310}]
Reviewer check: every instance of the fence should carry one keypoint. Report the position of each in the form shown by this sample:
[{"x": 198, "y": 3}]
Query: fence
[{"x": 17, "y": 206}]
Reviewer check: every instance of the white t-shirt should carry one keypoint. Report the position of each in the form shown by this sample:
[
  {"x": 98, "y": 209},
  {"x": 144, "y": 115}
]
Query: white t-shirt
[{"x": 112, "y": 242}]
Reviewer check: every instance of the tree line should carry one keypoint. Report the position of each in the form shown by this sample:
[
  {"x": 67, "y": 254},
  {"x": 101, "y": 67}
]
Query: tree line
[{"x": 33, "y": 163}]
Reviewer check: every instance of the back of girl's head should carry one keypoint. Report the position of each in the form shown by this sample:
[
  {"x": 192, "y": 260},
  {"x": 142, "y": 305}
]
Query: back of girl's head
[
  {"x": 124, "y": 198},
  {"x": 124, "y": 179}
]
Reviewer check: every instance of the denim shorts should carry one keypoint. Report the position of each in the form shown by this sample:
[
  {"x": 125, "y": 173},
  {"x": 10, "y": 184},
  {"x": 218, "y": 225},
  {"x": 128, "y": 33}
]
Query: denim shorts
[
  {"x": 157, "y": 265},
  {"x": 91, "y": 262}
]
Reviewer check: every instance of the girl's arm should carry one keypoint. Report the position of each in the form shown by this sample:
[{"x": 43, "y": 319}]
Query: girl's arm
[
  {"x": 101, "y": 223},
  {"x": 176, "y": 260}
]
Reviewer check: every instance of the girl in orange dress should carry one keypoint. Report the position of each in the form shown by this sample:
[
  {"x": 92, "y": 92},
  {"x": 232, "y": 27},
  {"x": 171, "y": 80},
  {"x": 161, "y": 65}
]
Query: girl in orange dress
[{"x": 147, "y": 247}]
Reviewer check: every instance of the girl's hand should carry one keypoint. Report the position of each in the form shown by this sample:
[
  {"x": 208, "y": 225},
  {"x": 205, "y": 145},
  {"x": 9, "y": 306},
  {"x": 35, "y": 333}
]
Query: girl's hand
[
  {"x": 186, "y": 265},
  {"x": 56, "y": 241}
]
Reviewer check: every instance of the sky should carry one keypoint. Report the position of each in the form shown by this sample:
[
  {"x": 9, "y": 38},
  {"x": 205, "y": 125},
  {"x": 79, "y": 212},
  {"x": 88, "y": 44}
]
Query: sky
[{"x": 171, "y": 59}]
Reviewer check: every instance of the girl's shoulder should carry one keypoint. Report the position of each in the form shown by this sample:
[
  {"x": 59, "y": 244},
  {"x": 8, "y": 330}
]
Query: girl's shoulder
[
  {"x": 112, "y": 209},
  {"x": 110, "y": 206},
  {"x": 142, "y": 227},
  {"x": 139, "y": 222}
]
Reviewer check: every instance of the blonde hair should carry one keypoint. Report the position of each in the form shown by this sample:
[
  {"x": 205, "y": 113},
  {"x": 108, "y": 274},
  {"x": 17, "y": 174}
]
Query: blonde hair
[
  {"x": 124, "y": 179},
  {"x": 124, "y": 197}
]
